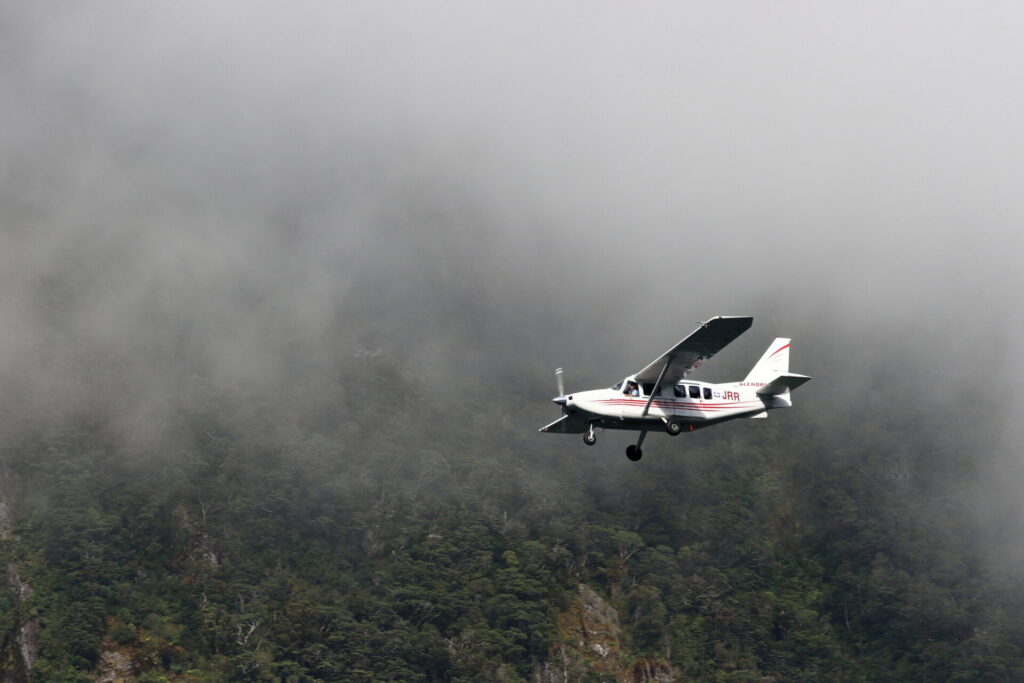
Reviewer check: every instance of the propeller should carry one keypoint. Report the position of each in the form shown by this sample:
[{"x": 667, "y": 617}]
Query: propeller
[{"x": 560, "y": 380}]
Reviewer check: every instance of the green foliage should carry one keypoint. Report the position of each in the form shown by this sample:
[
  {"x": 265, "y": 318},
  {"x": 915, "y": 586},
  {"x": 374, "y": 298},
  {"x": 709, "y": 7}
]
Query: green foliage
[{"x": 301, "y": 541}]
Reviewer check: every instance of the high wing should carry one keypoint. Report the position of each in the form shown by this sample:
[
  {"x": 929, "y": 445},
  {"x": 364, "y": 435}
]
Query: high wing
[{"x": 704, "y": 342}]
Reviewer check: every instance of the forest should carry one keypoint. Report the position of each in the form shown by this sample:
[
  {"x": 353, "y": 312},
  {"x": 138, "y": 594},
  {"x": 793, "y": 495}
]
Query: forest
[
  {"x": 355, "y": 520},
  {"x": 284, "y": 289}
]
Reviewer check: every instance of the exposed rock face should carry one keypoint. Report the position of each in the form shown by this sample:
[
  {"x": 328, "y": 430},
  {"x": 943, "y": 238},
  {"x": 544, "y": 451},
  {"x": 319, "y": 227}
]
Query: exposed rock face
[
  {"x": 591, "y": 648},
  {"x": 649, "y": 671},
  {"x": 28, "y": 646},
  {"x": 598, "y": 627},
  {"x": 23, "y": 658},
  {"x": 116, "y": 666},
  {"x": 28, "y": 649}
]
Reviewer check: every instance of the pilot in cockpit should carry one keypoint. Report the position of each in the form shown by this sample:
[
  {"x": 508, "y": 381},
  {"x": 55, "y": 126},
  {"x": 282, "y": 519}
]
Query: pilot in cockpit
[{"x": 632, "y": 389}]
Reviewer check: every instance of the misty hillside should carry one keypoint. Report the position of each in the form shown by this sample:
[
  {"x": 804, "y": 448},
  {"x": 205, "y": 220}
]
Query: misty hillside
[
  {"x": 284, "y": 293},
  {"x": 356, "y": 521}
]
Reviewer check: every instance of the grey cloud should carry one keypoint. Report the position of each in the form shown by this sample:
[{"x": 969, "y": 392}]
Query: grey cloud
[{"x": 197, "y": 185}]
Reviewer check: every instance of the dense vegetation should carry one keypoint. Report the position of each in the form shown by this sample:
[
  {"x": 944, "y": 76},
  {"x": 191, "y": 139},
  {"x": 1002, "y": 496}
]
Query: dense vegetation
[{"x": 357, "y": 522}]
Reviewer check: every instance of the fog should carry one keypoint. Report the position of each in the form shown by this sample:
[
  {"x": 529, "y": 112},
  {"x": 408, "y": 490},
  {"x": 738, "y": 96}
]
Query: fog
[{"x": 228, "y": 191}]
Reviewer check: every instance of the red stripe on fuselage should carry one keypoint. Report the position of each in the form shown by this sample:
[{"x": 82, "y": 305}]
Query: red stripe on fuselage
[
  {"x": 679, "y": 406},
  {"x": 668, "y": 401}
]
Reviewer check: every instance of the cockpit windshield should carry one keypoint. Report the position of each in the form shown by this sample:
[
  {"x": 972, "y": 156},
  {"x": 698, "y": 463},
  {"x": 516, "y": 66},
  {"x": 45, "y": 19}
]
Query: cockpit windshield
[{"x": 616, "y": 386}]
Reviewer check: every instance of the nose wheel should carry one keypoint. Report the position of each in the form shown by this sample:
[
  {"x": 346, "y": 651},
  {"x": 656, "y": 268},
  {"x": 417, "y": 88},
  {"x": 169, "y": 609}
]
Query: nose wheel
[{"x": 589, "y": 437}]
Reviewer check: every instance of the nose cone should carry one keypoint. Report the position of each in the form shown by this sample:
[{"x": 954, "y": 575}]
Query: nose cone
[{"x": 560, "y": 400}]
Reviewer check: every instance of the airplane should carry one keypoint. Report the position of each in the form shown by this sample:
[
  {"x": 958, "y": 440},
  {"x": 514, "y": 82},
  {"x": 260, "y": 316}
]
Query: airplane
[{"x": 661, "y": 397}]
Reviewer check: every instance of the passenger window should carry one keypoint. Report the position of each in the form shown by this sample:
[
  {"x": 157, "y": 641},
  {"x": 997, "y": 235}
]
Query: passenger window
[
  {"x": 679, "y": 391},
  {"x": 694, "y": 392},
  {"x": 707, "y": 392},
  {"x": 648, "y": 388}
]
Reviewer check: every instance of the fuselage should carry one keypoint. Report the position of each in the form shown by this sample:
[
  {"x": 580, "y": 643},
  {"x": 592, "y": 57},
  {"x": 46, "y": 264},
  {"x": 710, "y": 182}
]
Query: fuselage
[{"x": 695, "y": 404}]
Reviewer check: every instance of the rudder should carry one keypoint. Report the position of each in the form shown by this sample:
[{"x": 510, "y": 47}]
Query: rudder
[{"x": 773, "y": 363}]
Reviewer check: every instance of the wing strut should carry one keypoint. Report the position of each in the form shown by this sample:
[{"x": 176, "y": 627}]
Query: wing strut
[{"x": 657, "y": 385}]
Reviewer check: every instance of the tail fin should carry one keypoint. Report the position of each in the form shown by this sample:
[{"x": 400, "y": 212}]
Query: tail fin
[{"x": 773, "y": 363}]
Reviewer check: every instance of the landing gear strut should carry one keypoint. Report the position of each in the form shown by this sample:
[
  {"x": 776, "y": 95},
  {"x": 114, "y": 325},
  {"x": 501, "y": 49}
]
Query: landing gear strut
[
  {"x": 633, "y": 452},
  {"x": 589, "y": 437}
]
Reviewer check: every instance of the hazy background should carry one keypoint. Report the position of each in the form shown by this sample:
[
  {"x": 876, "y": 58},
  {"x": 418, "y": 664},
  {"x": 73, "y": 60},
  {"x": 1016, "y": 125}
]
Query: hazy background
[{"x": 240, "y": 191}]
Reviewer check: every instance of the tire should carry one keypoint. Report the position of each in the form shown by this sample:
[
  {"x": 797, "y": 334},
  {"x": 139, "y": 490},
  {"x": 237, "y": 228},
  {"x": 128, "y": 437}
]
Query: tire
[
  {"x": 674, "y": 427},
  {"x": 589, "y": 438},
  {"x": 634, "y": 453}
]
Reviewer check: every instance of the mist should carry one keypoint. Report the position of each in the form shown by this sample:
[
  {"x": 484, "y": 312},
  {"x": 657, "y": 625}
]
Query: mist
[{"x": 243, "y": 192}]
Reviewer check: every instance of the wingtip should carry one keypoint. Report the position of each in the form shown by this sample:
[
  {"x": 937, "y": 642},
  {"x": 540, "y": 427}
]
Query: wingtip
[{"x": 748, "y": 318}]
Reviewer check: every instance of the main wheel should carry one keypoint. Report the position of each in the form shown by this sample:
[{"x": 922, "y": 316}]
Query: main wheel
[
  {"x": 634, "y": 453},
  {"x": 673, "y": 427},
  {"x": 589, "y": 438}
]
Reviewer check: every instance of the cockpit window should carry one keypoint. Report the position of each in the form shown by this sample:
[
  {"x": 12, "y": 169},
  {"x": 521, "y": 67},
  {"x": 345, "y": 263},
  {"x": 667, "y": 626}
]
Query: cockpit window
[
  {"x": 679, "y": 391},
  {"x": 694, "y": 392}
]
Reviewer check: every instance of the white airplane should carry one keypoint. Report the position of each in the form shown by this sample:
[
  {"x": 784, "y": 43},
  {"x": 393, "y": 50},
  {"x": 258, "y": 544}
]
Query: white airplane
[{"x": 660, "y": 396}]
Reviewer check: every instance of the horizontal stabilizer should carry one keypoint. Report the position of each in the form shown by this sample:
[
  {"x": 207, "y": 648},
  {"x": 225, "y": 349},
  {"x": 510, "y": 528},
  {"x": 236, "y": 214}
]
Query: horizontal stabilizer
[{"x": 782, "y": 383}]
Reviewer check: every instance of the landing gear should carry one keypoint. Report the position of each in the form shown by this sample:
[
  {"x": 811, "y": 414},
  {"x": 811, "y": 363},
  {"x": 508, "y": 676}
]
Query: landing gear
[
  {"x": 633, "y": 452},
  {"x": 589, "y": 437},
  {"x": 673, "y": 427}
]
